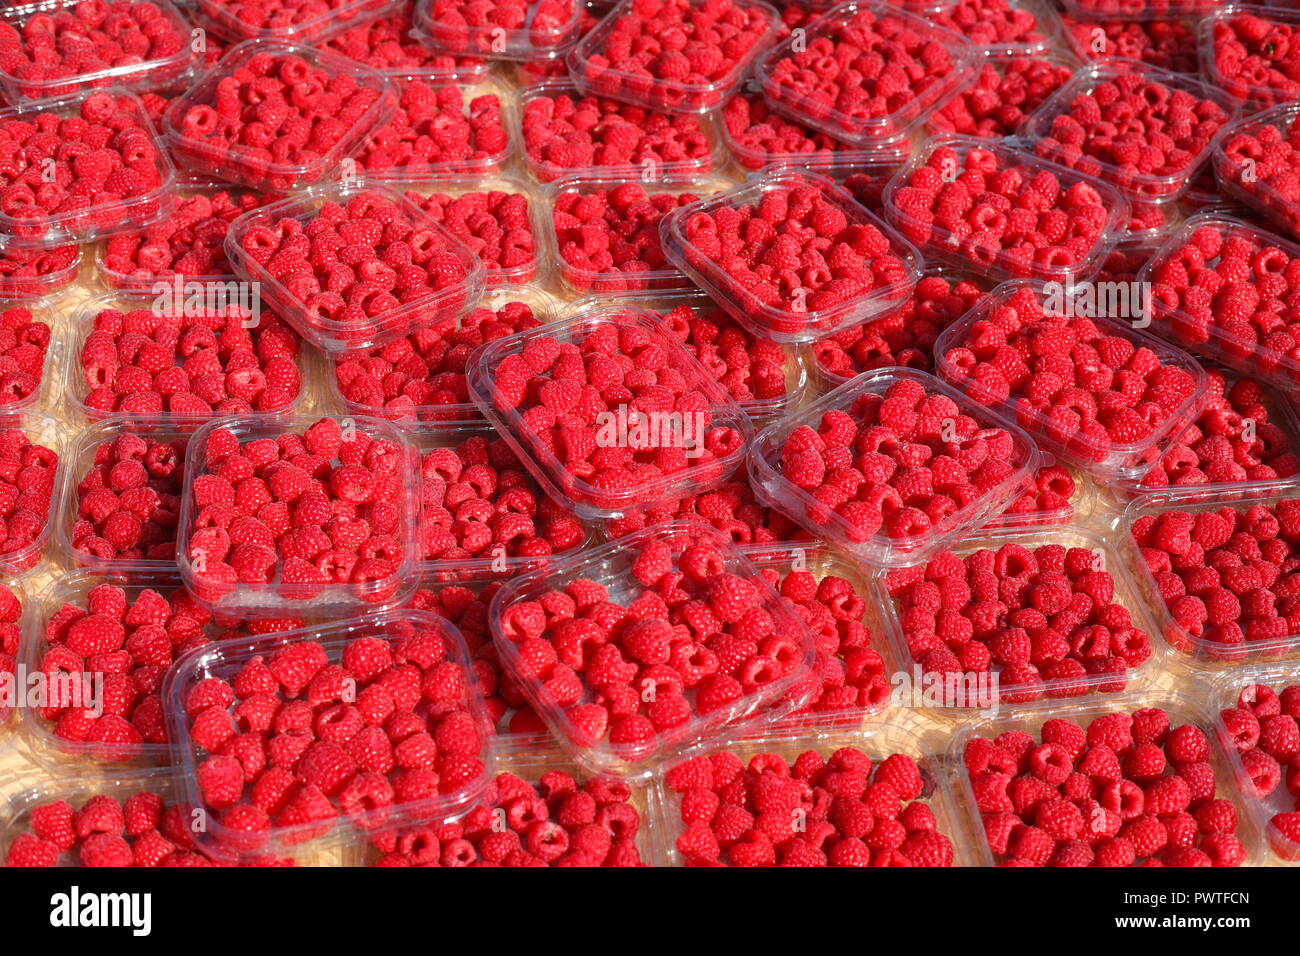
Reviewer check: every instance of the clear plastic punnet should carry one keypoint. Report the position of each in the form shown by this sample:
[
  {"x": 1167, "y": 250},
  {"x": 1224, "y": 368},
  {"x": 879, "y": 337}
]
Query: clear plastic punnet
[
  {"x": 879, "y": 548},
  {"x": 75, "y": 683},
  {"x": 327, "y": 325},
  {"x": 867, "y": 671},
  {"x": 1280, "y": 414},
  {"x": 44, "y": 431},
  {"x": 940, "y": 121},
  {"x": 31, "y": 273},
  {"x": 366, "y": 812},
  {"x": 86, "y": 453},
  {"x": 586, "y": 279},
  {"x": 31, "y": 227},
  {"x": 1196, "y": 646},
  {"x": 837, "y": 26},
  {"x": 76, "y": 378},
  {"x": 966, "y": 693},
  {"x": 474, "y": 228},
  {"x": 1246, "y": 165},
  {"x": 493, "y": 560},
  {"x": 369, "y": 159},
  {"x": 1244, "y": 688},
  {"x": 1132, "y": 183},
  {"x": 966, "y": 252},
  {"x": 610, "y": 566},
  {"x": 158, "y": 72},
  {"x": 798, "y": 380},
  {"x": 881, "y": 742},
  {"x": 1140, "y": 9},
  {"x": 26, "y": 796},
  {"x": 1254, "y": 90},
  {"x": 367, "y": 397},
  {"x": 1108, "y": 460},
  {"x": 278, "y": 596},
  {"x": 648, "y": 167},
  {"x": 721, "y": 423},
  {"x": 234, "y": 162},
  {"x": 1112, "y": 38},
  {"x": 145, "y": 279},
  {"x": 964, "y": 18},
  {"x": 1205, "y": 333},
  {"x": 675, "y": 96},
  {"x": 21, "y": 389},
  {"x": 792, "y": 319},
  {"x": 1230, "y": 777},
  {"x": 530, "y": 41},
  {"x": 1077, "y": 510},
  {"x": 238, "y": 20}
]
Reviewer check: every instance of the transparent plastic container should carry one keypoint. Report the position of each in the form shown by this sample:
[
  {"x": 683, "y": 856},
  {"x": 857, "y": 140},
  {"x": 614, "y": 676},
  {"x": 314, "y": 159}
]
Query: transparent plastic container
[
  {"x": 1207, "y": 337},
  {"x": 23, "y": 590},
  {"x": 335, "y": 334},
  {"x": 1230, "y": 776},
  {"x": 538, "y": 270},
  {"x": 99, "y": 218},
  {"x": 1256, "y": 93},
  {"x": 1135, "y": 185},
  {"x": 278, "y": 597},
  {"x": 1075, "y": 511},
  {"x": 49, "y": 750},
  {"x": 79, "y": 459},
  {"x": 490, "y": 164},
  {"x": 29, "y": 273},
  {"x": 499, "y": 43},
  {"x": 1047, "y": 29},
  {"x": 1225, "y": 694},
  {"x": 798, "y": 381},
  {"x": 610, "y": 566},
  {"x": 936, "y": 123},
  {"x": 1281, "y": 413},
  {"x": 879, "y": 744},
  {"x": 923, "y": 358},
  {"x": 1088, "y": 38},
  {"x": 423, "y": 418},
  {"x": 241, "y": 164},
  {"x": 76, "y": 389},
  {"x": 776, "y": 491},
  {"x": 29, "y": 794},
  {"x": 586, "y": 281},
  {"x": 1201, "y": 653},
  {"x": 662, "y": 94},
  {"x": 224, "y": 19},
  {"x": 530, "y": 766},
  {"x": 158, "y": 73},
  {"x": 837, "y": 162},
  {"x": 1238, "y": 176},
  {"x": 47, "y": 432},
  {"x": 1004, "y": 263},
  {"x": 395, "y": 27},
  {"x": 779, "y": 323},
  {"x": 582, "y": 497},
  {"x": 822, "y": 562},
  {"x": 1139, "y": 9},
  {"x": 988, "y": 690},
  {"x": 117, "y": 279},
  {"x": 495, "y": 563},
  {"x": 1107, "y": 461},
  {"x": 45, "y": 393},
  {"x": 649, "y": 168},
  {"x": 226, "y": 659},
  {"x": 858, "y": 130}
]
